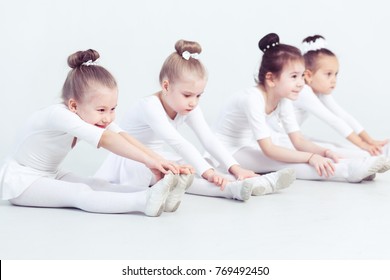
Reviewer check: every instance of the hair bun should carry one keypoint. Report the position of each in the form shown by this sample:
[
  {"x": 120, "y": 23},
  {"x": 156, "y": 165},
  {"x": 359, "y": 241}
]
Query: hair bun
[
  {"x": 312, "y": 39},
  {"x": 268, "y": 41},
  {"x": 192, "y": 47},
  {"x": 78, "y": 58}
]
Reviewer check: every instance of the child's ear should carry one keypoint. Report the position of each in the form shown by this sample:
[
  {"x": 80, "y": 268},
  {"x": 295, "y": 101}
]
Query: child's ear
[
  {"x": 72, "y": 105},
  {"x": 308, "y": 76},
  {"x": 269, "y": 79},
  {"x": 165, "y": 86}
]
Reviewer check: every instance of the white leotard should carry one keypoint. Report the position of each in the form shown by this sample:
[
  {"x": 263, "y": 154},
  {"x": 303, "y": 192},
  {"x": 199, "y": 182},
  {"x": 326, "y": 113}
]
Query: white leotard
[
  {"x": 42, "y": 145},
  {"x": 243, "y": 120},
  {"x": 148, "y": 122},
  {"x": 325, "y": 107}
]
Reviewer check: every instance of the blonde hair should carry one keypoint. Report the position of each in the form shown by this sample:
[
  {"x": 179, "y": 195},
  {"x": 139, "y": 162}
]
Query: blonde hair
[
  {"x": 175, "y": 65},
  {"x": 84, "y": 74}
]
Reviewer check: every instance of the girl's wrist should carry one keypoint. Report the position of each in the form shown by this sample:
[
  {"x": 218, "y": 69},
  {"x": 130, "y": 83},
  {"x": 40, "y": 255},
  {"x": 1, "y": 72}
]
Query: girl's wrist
[
  {"x": 310, "y": 157},
  {"x": 208, "y": 173},
  {"x": 234, "y": 169}
]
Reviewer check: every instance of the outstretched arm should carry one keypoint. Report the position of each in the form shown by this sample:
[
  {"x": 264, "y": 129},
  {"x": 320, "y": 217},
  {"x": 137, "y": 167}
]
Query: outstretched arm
[
  {"x": 130, "y": 148},
  {"x": 186, "y": 169},
  {"x": 359, "y": 136},
  {"x": 374, "y": 145},
  {"x": 365, "y": 142},
  {"x": 310, "y": 154}
]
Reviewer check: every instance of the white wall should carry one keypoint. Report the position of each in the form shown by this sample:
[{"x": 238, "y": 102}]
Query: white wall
[{"x": 135, "y": 36}]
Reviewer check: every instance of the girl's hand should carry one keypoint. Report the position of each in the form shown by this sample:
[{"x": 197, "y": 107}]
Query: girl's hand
[
  {"x": 374, "y": 150},
  {"x": 241, "y": 173},
  {"x": 332, "y": 155},
  {"x": 162, "y": 165},
  {"x": 324, "y": 166},
  {"x": 374, "y": 147},
  {"x": 379, "y": 143},
  {"x": 215, "y": 178},
  {"x": 186, "y": 169}
]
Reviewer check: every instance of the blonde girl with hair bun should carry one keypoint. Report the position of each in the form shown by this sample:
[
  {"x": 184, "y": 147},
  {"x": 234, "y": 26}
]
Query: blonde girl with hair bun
[
  {"x": 32, "y": 176},
  {"x": 155, "y": 121}
]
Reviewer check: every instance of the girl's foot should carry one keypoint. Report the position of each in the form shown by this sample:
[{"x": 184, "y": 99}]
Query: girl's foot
[
  {"x": 386, "y": 166},
  {"x": 158, "y": 193},
  {"x": 175, "y": 195},
  {"x": 360, "y": 169},
  {"x": 240, "y": 190},
  {"x": 272, "y": 182}
]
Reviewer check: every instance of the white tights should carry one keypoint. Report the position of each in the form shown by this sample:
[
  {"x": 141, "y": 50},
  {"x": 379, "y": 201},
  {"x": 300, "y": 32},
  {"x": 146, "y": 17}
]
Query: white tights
[
  {"x": 88, "y": 194},
  {"x": 137, "y": 175},
  {"x": 254, "y": 159},
  {"x": 201, "y": 186}
]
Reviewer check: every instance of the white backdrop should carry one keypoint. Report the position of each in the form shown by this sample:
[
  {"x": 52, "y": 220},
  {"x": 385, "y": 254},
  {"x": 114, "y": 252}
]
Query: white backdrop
[{"x": 135, "y": 36}]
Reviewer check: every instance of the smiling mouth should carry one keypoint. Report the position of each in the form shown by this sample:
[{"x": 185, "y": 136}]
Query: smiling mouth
[{"x": 101, "y": 125}]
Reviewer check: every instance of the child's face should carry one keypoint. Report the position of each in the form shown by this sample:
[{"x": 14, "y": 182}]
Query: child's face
[
  {"x": 183, "y": 95},
  {"x": 291, "y": 80},
  {"x": 324, "y": 79},
  {"x": 98, "y": 108}
]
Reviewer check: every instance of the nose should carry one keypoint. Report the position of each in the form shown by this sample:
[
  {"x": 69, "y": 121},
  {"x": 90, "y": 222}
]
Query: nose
[
  {"x": 193, "y": 103},
  {"x": 301, "y": 82},
  {"x": 107, "y": 118}
]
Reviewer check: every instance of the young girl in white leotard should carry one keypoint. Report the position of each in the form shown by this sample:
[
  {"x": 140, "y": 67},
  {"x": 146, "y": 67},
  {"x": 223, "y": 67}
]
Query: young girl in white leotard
[
  {"x": 316, "y": 99},
  {"x": 31, "y": 176},
  {"x": 155, "y": 120}
]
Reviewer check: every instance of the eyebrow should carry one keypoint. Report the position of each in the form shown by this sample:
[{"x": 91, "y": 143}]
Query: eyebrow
[
  {"x": 192, "y": 93},
  {"x": 103, "y": 106}
]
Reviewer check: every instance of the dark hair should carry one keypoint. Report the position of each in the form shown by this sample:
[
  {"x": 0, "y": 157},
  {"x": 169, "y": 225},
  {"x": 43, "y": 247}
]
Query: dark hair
[
  {"x": 312, "y": 55},
  {"x": 175, "y": 64},
  {"x": 275, "y": 56},
  {"x": 85, "y": 73}
]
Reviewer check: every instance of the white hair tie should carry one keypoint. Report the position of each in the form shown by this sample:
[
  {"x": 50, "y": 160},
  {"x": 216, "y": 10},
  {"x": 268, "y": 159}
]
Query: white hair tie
[
  {"x": 318, "y": 44},
  {"x": 90, "y": 62},
  {"x": 187, "y": 55}
]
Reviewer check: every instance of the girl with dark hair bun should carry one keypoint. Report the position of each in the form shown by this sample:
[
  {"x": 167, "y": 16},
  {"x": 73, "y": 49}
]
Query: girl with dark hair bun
[
  {"x": 316, "y": 99},
  {"x": 155, "y": 121},
  {"x": 32, "y": 175},
  {"x": 259, "y": 128}
]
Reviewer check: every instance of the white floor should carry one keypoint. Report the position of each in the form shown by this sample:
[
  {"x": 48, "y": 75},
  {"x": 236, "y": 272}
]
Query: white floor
[{"x": 309, "y": 220}]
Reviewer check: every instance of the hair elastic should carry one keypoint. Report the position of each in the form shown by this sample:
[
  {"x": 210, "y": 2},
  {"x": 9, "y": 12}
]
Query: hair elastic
[
  {"x": 89, "y": 63},
  {"x": 271, "y": 45},
  {"x": 316, "y": 45},
  {"x": 187, "y": 55}
]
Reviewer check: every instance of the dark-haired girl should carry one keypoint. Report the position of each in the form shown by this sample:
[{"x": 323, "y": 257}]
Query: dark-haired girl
[
  {"x": 316, "y": 99},
  {"x": 254, "y": 123}
]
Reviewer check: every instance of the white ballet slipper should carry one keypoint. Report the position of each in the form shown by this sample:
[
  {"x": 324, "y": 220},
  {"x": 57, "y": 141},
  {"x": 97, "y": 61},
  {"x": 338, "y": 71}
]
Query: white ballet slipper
[
  {"x": 176, "y": 194},
  {"x": 158, "y": 194},
  {"x": 240, "y": 190},
  {"x": 272, "y": 182},
  {"x": 360, "y": 169}
]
